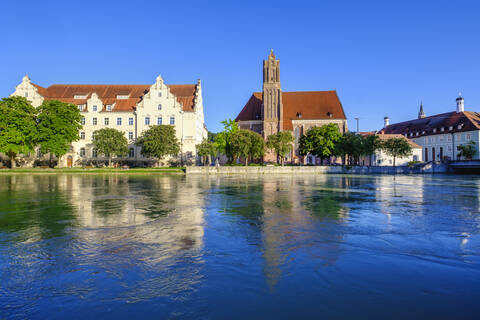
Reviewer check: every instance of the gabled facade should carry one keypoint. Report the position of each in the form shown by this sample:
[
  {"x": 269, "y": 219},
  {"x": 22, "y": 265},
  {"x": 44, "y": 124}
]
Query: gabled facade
[
  {"x": 440, "y": 135},
  {"x": 274, "y": 110},
  {"x": 131, "y": 109}
]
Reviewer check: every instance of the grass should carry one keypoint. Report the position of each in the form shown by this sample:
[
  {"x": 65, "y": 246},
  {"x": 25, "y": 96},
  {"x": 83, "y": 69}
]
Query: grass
[{"x": 168, "y": 170}]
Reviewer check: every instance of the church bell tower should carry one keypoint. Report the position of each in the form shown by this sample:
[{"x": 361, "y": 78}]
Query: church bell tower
[{"x": 272, "y": 111}]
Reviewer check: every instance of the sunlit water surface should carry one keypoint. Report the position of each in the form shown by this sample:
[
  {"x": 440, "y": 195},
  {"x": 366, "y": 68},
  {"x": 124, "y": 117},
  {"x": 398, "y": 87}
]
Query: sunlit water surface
[{"x": 277, "y": 247}]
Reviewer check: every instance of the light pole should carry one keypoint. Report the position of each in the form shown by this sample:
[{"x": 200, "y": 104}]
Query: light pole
[{"x": 357, "y": 123}]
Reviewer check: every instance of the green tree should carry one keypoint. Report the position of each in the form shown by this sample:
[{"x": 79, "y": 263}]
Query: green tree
[
  {"x": 211, "y": 136},
  {"x": 58, "y": 124},
  {"x": 320, "y": 141},
  {"x": 370, "y": 144},
  {"x": 397, "y": 147},
  {"x": 223, "y": 138},
  {"x": 110, "y": 142},
  {"x": 159, "y": 141},
  {"x": 247, "y": 144},
  {"x": 18, "y": 132},
  {"x": 205, "y": 149},
  {"x": 351, "y": 147},
  {"x": 281, "y": 143},
  {"x": 467, "y": 151}
]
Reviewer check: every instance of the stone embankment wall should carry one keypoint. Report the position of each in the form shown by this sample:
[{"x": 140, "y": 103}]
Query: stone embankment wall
[{"x": 226, "y": 170}]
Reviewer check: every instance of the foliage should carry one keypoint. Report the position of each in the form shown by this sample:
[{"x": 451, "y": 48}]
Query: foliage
[
  {"x": 247, "y": 144},
  {"x": 110, "y": 142},
  {"x": 58, "y": 124},
  {"x": 320, "y": 141},
  {"x": 350, "y": 145},
  {"x": 159, "y": 141},
  {"x": 467, "y": 151},
  {"x": 18, "y": 132},
  {"x": 223, "y": 138},
  {"x": 211, "y": 136},
  {"x": 370, "y": 144},
  {"x": 205, "y": 149},
  {"x": 397, "y": 147},
  {"x": 281, "y": 143}
]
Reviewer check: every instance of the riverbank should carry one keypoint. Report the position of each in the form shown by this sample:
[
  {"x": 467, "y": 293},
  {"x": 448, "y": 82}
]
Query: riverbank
[
  {"x": 162, "y": 170},
  {"x": 312, "y": 170}
]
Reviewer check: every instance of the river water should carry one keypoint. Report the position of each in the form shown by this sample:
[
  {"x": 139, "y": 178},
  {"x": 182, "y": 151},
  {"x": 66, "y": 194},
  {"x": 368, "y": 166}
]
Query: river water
[{"x": 282, "y": 247}]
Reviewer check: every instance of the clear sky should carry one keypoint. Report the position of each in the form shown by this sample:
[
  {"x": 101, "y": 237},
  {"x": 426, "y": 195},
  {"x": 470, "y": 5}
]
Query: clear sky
[{"x": 383, "y": 57}]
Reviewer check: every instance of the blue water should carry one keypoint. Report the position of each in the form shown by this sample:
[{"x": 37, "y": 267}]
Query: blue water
[{"x": 170, "y": 247}]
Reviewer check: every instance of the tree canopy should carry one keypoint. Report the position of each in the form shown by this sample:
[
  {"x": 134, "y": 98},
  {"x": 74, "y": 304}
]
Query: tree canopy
[
  {"x": 159, "y": 142},
  {"x": 18, "y": 132},
  {"x": 397, "y": 147},
  {"x": 281, "y": 143},
  {"x": 247, "y": 144},
  {"x": 370, "y": 144},
  {"x": 320, "y": 141},
  {"x": 223, "y": 139},
  {"x": 205, "y": 149},
  {"x": 58, "y": 124},
  {"x": 467, "y": 151},
  {"x": 110, "y": 142},
  {"x": 350, "y": 145}
]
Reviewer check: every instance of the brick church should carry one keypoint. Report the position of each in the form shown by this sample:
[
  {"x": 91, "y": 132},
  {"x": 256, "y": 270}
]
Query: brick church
[{"x": 274, "y": 110}]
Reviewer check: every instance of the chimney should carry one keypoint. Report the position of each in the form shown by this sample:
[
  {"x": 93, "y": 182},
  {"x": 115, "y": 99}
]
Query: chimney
[
  {"x": 386, "y": 122},
  {"x": 460, "y": 103}
]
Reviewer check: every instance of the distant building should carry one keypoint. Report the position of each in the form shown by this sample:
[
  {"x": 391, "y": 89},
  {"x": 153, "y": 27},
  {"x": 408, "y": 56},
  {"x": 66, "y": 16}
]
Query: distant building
[
  {"x": 380, "y": 158},
  {"x": 274, "y": 110},
  {"x": 129, "y": 108},
  {"x": 439, "y": 135}
]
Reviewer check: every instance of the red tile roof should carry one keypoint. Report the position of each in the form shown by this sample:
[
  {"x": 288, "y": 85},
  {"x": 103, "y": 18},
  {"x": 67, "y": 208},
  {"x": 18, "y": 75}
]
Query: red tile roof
[
  {"x": 469, "y": 121},
  {"x": 310, "y": 104},
  {"x": 108, "y": 94}
]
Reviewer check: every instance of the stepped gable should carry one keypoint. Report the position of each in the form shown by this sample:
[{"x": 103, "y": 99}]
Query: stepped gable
[{"x": 185, "y": 94}]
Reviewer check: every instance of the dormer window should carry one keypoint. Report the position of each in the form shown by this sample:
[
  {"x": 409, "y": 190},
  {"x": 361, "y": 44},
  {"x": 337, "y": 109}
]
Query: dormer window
[
  {"x": 257, "y": 116},
  {"x": 416, "y": 134},
  {"x": 442, "y": 129},
  {"x": 80, "y": 96},
  {"x": 411, "y": 134},
  {"x": 122, "y": 96},
  {"x": 423, "y": 132},
  {"x": 299, "y": 115},
  {"x": 460, "y": 126},
  {"x": 329, "y": 114},
  {"x": 434, "y": 130},
  {"x": 109, "y": 107},
  {"x": 450, "y": 128}
]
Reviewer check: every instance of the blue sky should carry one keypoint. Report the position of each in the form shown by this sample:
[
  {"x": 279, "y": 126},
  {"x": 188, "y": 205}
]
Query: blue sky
[{"x": 383, "y": 57}]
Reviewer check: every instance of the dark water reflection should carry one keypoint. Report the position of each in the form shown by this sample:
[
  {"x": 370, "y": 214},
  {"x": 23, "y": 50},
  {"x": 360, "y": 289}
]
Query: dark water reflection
[{"x": 120, "y": 246}]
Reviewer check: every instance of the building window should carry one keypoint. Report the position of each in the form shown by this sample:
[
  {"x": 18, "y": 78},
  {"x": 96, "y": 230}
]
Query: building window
[
  {"x": 131, "y": 153},
  {"x": 106, "y": 121},
  {"x": 83, "y": 121},
  {"x": 81, "y": 107},
  {"x": 432, "y": 139},
  {"x": 94, "y": 108},
  {"x": 450, "y": 128},
  {"x": 442, "y": 129},
  {"x": 109, "y": 107},
  {"x": 159, "y": 107},
  {"x": 119, "y": 121},
  {"x": 159, "y": 94},
  {"x": 82, "y": 135},
  {"x": 159, "y": 121},
  {"x": 130, "y": 136},
  {"x": 147, "y": 121},
  {"x": 172, "y": 120},
  {"x": 130, "y": 121},
  {"x": 94, "y": 121},
  {"x": 449, "y": 138},
  {"x": 434, "y": 130},
  {"x": 80, "y": 96},
  {"x": 94, "y": 153},
  {"x": 416, "y": 134},
  {"x": 449, "y": 148},
  {"x": 82, "y": 152}
]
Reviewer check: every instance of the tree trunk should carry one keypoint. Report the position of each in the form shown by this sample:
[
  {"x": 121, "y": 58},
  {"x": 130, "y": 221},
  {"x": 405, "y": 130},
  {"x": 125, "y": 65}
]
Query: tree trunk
[
  {"x": 109, "y": 162},
  {"x": 246, "y": 161},
  {"x": 50, "y": 160},
  {"x": 394, "y": 161},
  {"x": 12, "y": 161}
]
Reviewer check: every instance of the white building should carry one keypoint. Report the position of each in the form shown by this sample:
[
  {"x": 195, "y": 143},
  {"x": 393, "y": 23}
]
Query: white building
[
  {"x": 381, "y": 158},
  {"x": 441, "y": 134},
  {"x": 131, "y": 109}
]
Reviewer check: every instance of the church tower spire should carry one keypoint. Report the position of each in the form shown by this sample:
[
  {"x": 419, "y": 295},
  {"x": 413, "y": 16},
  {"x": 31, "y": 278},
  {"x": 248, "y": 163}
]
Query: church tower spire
[
  {"x": 421, "y": 114},
  {"x": 272, "y": 111}
]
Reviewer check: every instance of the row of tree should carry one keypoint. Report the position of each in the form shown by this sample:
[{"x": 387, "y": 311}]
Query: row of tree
[
  {"x": 323, "y": 142},
  {"x": 54, "y": 125}
]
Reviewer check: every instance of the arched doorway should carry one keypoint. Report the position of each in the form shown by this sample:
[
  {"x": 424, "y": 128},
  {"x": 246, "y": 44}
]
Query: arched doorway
[{"x": 69, "y": 161}]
